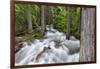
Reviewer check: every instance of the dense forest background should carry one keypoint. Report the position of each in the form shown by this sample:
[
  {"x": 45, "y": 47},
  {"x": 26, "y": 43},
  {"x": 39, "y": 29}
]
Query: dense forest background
[{"x": 30, "y": 20}]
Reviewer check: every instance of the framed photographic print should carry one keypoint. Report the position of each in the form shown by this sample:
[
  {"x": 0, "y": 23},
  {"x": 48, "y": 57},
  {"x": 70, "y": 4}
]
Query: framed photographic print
[{"x": 52, "y": 34}]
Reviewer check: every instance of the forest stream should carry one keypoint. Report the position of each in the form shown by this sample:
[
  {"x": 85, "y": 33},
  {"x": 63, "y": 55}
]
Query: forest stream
[{"x": 52, "y": 48}]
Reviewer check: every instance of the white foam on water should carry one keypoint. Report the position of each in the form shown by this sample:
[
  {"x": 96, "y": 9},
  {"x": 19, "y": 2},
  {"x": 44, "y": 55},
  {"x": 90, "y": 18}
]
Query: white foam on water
[{"x": 28, "y": 54}]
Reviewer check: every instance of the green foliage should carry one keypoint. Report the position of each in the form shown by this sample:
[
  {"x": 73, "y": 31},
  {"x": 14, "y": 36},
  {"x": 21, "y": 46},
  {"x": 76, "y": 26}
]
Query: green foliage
[
  {"x": 75, "y": 26},
  {"x": 58, "y": 17},
  {"x": 20, "y": 17}
]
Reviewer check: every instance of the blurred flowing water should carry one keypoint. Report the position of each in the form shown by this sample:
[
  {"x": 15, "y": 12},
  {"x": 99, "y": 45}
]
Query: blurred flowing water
[{"x": 52, "y": 48}]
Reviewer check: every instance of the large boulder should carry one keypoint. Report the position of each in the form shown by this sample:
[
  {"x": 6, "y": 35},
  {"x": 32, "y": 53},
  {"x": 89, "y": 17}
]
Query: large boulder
[{"x": 72, "y": 45}]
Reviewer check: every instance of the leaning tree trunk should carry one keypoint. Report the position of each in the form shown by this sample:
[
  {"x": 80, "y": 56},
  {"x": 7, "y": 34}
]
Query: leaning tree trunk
[
  {"x": 87, "y": 49},
  {"x": 29, "y": 19}
]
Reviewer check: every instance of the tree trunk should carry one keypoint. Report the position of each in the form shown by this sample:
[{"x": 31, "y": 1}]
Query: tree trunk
[
  {"x": 29, "y": 19},
  {"x": 52, "y": 17},
  {"x": 47, "y": 12},
  {"x": 87, "y": 49},
  {"x": 43, "y": 24},
  {"x": 51, "y": 12},
  {"x": 69, "y": 22}
]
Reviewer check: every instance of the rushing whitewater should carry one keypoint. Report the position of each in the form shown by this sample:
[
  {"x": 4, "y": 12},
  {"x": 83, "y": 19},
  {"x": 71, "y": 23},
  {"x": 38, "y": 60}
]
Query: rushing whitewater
[{"x": 52, "y": 48}]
